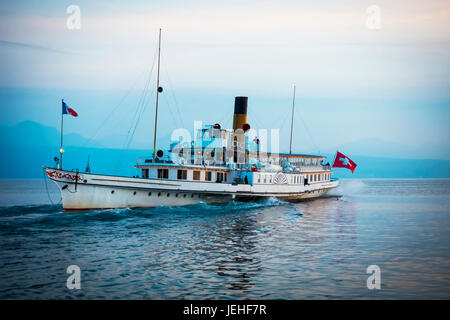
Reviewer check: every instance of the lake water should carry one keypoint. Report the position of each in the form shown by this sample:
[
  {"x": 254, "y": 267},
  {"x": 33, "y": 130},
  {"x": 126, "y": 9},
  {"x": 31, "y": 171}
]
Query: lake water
[{"x": 317, "y": 249}]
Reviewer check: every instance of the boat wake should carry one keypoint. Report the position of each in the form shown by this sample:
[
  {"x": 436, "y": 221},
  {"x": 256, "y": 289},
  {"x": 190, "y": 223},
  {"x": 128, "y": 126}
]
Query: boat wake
[{"x": 54, "y": 215}]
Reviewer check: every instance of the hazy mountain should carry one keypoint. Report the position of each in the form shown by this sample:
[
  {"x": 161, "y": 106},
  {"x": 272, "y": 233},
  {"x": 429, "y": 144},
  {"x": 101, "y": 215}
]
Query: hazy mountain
[
  {"x": 27, "y": 146},
  {"x": 30, "y": 133},
  {"x": 378, "y": 148}
]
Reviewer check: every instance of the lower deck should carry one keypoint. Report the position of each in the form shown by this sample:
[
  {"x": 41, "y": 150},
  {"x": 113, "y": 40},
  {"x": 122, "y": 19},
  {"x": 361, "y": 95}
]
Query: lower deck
[{"x": 90, "y": 191}]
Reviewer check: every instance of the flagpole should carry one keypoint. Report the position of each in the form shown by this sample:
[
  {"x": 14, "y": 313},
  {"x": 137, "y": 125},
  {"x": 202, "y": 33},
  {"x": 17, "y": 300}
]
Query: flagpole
[
  {"x": 334, "y": 158},
  {"x": 61, "y": 150},
  {"x": 292, "y": 123}
]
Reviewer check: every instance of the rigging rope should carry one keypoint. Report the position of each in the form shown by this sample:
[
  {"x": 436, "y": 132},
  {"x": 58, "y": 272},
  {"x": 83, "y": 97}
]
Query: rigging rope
[
  {"x": 139, "y": 111},
  {"x": 46, "y": 188},
  {"x": 166, "y": 70},
  {"x": 308, "y": 132},
  {"x": 113, "y": 110},
  {"x": 175, "y": 120}
]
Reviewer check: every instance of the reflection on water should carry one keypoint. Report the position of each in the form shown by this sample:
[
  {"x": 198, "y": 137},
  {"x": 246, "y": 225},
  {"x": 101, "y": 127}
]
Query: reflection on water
[{"x": 271, "y": 249}]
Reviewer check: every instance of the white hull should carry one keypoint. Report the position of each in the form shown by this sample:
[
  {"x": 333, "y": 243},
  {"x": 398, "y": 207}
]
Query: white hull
[{"x": 83, "y": 191}]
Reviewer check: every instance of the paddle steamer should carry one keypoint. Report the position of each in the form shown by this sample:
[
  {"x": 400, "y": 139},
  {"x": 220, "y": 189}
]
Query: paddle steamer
[{"x": 218, "y": 165}]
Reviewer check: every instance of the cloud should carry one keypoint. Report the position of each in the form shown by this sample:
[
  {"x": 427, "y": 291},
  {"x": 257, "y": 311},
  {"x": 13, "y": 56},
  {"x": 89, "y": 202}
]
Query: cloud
[
  {"x": 324, "y": 46},
  {"x": 13, "y": 44}
]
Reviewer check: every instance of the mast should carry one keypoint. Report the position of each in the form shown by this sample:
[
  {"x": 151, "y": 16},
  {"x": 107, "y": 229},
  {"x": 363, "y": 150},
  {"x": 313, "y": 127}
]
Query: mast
[
  {"x": 292, "y": 123},
  {"x": 61, "y": 150},
  {"x": 157, "y": 92}
]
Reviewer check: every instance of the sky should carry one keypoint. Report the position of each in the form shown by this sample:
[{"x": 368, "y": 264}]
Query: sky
[{"x": 356, "y": 79}]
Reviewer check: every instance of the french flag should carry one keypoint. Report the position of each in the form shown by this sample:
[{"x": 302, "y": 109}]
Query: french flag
[{"x": 67, "y": 110}]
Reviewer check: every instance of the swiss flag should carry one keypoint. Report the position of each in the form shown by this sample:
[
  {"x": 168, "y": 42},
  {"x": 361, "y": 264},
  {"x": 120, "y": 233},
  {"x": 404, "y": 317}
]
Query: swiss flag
[{"x": 342, "y": 161}]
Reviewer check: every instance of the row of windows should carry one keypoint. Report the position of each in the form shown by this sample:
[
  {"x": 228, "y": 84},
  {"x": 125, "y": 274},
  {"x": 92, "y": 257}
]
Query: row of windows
[
  {"x": 318, "y": 177},
  {"x": 159, "y": 194},
  {"x": 296, "y": 179},
  {"x": 305, "y": 161},
  {"x": 263, "y": 178},
  {"x": 182, "y": 175}
]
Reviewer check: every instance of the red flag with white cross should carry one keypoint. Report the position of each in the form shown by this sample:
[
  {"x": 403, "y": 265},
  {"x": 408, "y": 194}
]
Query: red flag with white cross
[{"x": 342, "y": 161}]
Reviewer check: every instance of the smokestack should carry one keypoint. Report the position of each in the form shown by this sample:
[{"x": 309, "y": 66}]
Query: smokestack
[{"x": 240, "y": 113}]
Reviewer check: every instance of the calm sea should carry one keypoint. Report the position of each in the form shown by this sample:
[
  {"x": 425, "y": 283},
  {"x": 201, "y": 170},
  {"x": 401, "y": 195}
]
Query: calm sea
[{"x": 317, "y": 249}]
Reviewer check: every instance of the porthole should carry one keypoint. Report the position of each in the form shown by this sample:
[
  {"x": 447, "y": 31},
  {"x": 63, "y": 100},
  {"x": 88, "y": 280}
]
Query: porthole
[
  {"x": 168, "y": 194},
  {"x": 134, "y": 193},
  {"x": 159, "y": 194},
  {"x": 176, "y": 195},
  {"x": 192, "y": 195},
  {"x": 112, "y": 191},
  {"x": 184, "y": 195},
  {"x": 149, "y": 194}
]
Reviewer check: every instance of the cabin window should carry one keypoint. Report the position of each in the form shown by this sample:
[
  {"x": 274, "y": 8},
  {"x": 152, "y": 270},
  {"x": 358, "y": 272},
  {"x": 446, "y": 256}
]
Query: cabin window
[
  {"x": 208, "y": 175},
  {"x": 182, "y": 174},
  {"x": 163, "y": 173},
  {"x": 145, "y": 173},
  {"x": 219, "y": 177},
  {"x": 264, "y": 179},
  {"x": 259, "y": 178},
  {"x": 196, "y": 175},
  {"x": 270, "y": 179},
  {"x": 225, "y": 176}
]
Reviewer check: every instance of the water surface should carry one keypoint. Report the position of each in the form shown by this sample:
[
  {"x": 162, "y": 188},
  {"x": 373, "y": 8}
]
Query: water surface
[{"x": 317, "y": 249}]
